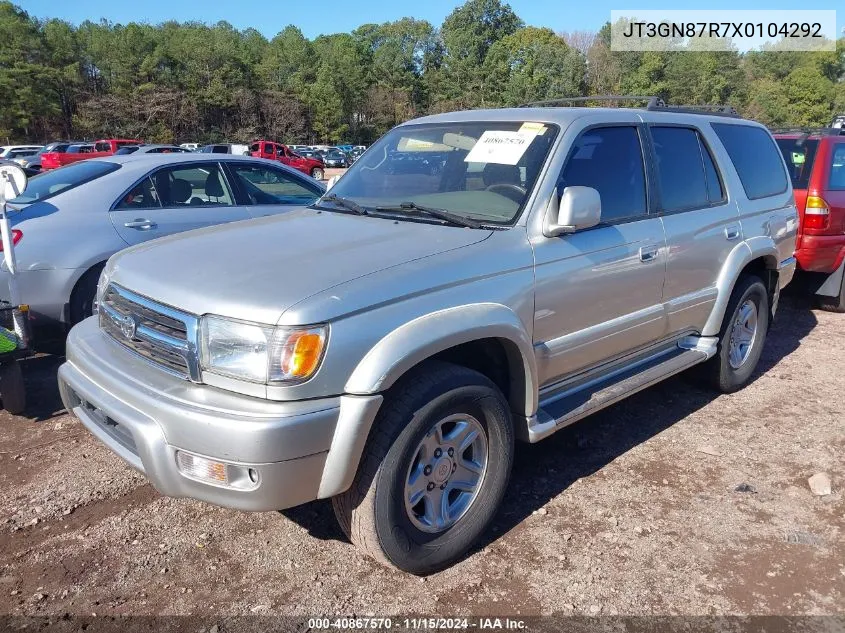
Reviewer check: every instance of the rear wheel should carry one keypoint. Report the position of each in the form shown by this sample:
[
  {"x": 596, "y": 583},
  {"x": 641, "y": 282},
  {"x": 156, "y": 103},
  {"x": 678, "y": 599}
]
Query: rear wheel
[
  {"x": 834, "y": 304},
  {"x": 434, "y": 471},
  {"x": 742, "y": 337},
  {"x": 317, "y": 173}
]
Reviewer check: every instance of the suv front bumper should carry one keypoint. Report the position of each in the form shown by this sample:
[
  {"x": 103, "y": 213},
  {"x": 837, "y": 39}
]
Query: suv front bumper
[{"x": 146, "y": 415}]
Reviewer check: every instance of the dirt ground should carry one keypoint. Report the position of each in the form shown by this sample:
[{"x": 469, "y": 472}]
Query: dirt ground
[{"x": 675, "y": 502}]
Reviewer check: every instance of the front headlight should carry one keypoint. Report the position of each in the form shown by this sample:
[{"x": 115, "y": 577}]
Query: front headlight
[
  {"x": 260, "y": 353},
  {"x": 102, "y": 284}
]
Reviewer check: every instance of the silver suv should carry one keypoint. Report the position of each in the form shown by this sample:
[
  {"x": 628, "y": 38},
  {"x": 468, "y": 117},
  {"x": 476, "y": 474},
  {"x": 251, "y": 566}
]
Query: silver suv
[{"x": 385, "y": 346}]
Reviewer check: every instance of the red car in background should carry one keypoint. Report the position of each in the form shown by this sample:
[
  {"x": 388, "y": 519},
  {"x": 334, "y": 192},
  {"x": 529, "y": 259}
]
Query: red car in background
[
  {"x": 816, "y": 162},
  {"x": 282, "y": 153},
  {"x": 103, "y": 147}
]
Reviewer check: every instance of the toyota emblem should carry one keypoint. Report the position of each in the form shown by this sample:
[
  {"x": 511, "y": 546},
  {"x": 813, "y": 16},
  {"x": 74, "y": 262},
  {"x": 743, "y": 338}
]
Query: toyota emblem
[{"x": 127, "y": 326}]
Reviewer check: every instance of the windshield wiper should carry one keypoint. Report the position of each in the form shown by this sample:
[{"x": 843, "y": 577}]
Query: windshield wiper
[
  {"x": 346, "y": 203},
  {"x": 440, "y": 214}
]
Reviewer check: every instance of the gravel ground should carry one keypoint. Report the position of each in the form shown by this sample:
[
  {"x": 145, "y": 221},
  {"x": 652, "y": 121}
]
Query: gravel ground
[{"x": 675, "y": 502}]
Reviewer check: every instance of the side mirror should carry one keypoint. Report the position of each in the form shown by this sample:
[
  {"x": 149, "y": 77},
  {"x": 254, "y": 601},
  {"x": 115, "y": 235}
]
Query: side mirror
[{"x": 576, "y": 209}]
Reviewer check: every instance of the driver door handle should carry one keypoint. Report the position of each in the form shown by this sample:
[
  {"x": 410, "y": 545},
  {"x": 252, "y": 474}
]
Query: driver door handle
[
  {"x": 649, "y": 253},
  {"x": 141, "y": 224}
]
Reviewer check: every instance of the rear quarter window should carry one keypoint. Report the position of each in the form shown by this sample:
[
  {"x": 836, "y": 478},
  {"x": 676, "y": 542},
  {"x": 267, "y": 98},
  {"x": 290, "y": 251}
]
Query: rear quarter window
[
  {"x": 837, "y": 168},
  {"x": 756, "y": 158}
]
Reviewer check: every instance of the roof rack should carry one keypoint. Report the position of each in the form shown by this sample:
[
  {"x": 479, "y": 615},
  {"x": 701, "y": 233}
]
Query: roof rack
[
  {"x": 652, "y": 103},
  {"x": 652, "y": 100},
  {"x": 719, "y": 110}
]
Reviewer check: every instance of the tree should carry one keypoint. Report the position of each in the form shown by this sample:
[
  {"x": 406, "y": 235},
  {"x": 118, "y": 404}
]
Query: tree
[
  {"x": 530, "y": 65},
  {"x": 468, "y": 34}
]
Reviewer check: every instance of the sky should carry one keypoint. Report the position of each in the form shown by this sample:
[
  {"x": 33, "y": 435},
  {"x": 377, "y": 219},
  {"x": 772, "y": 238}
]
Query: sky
[{"x": 316, "y": 17}]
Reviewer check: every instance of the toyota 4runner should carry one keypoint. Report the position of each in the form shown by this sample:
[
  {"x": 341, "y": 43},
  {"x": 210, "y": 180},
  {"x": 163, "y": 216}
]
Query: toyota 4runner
[{"x": 386, "y": 345}]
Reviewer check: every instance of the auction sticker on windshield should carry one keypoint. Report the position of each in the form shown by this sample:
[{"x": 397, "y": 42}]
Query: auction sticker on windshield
[{"x": 503, "y": 148}]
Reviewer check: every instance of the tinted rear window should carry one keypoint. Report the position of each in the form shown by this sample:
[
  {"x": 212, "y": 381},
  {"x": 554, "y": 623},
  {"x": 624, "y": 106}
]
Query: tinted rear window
[
  {"x": 755, "y": 158},
  {"x": 56, "y": 181},
  {"x": 680, "y": 170},
  {"x": 799, "y": 156},
  {"x": 837, "y": 168}
]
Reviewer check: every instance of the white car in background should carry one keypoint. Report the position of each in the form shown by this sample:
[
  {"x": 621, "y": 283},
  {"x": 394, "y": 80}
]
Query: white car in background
[
  {"x": 69, "y": 221},
  {"x": 17, "y": 151},
  {"x": 191, "y": 147}
]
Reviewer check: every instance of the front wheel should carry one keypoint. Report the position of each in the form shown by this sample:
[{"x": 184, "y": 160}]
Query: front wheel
[
  {"x": 317, "y": 173},
  {"x": 434, "y": 471},
  {"x": 742, "y": 337}
]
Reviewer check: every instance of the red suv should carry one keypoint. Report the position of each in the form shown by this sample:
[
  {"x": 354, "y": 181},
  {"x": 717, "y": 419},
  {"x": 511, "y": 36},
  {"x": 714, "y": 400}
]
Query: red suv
[{"x": 816, "y": 162}]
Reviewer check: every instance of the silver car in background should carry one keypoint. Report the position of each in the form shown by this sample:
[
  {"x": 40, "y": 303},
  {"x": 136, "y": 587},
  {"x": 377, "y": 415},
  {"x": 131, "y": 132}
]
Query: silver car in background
[{"x": 69, "y": 221}]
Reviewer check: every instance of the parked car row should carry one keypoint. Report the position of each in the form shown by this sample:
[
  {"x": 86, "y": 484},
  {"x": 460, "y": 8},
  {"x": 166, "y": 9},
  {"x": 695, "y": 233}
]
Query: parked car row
[{"x": 121, "y": 200}]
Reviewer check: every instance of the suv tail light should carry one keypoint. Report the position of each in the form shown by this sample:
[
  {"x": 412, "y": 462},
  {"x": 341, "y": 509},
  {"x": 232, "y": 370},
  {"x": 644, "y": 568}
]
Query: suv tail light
[
  {"x": 816, "y": 214},
  {"x": 16, "y": 237}
]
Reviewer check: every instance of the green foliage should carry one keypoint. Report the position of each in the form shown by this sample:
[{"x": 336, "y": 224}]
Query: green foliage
[{"x": 198, "y": 82}]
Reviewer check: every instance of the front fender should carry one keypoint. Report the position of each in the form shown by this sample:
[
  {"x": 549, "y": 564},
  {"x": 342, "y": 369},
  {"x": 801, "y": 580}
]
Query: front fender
[{"x": 425, "y": 336}]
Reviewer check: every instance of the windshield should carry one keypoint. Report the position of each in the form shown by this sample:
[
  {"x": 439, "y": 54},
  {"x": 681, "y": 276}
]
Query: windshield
[
  {"x": 799, "y": 154},
  {"x": 56, "y": 181},
  {"x": 478, "y": 170}
]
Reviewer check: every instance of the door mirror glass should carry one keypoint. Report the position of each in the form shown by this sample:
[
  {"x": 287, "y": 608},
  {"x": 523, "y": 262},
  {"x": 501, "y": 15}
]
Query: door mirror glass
[{"x": 577, "y": 208}]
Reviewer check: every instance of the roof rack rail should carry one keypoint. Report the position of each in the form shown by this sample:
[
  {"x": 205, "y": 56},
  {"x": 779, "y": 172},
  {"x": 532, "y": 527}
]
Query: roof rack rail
[
  {"x": 652, "y": 100},
  {"x": 719, "y": 110}
]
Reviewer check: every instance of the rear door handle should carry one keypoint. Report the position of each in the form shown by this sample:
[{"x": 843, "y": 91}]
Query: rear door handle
[
  {"x": 141, "y": 223},
  {"x": 731, "y": 232},
  {"x": 649, "y": 253}
]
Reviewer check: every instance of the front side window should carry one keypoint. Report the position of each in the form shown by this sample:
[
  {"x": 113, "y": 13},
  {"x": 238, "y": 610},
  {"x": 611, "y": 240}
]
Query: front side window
[
  {"x": 264, "y": 185},
  {"x": 102, "y": 147},
  {"x": 55, "y": 181},
  {"x": 191, "y": 185},
  {"x": 610, "y": 160},
  {"x": 478, "y": 170},
  {"x": 755, "y": 157}
]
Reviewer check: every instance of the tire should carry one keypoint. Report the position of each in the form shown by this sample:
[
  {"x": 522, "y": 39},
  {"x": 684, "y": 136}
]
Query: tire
[
  {"x": 317, "y": 173},
  {"x": 12, "y": 389},
  {"x": 374, "y": 512},
  {"x": 84, "y": 294},
  {"x": 834, "y": 304},
  {"x": 724, "y": 371}
]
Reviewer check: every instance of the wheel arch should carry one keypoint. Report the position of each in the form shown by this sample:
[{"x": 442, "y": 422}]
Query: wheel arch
[
  {"x": 487, "y": 337},
  {"x": 759, "y": 257}
]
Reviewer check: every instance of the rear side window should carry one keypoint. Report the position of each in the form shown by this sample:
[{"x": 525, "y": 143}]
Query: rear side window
[
  {"x": 609, "y": 160},
  {"x": 799, "y": 154},
  {"x": 220, "y": 149},
  {"x": 837, "y": 168},
  {"x": 685, "y": 169},
  {"x": 56, "y": 181},
  {"x": 755, "y": 158}
]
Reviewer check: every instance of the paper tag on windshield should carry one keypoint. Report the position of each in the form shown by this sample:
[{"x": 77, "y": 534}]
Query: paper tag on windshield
[
  {"x": 502, "y": 148},
  {"x": 798, "y": 158},
  {"x": 533, "y": 128}
]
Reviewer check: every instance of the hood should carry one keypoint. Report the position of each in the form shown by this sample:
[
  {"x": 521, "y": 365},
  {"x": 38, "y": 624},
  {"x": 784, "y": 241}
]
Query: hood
[{"x": 256, "y": 269}]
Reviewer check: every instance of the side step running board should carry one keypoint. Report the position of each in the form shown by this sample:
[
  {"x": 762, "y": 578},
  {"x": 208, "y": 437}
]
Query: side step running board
[{"x": 571, "y": 405}]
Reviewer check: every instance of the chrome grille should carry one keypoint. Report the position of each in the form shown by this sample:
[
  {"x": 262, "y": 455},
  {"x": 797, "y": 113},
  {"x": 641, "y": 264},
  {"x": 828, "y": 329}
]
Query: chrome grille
[{"x": 160, "y": 334}]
